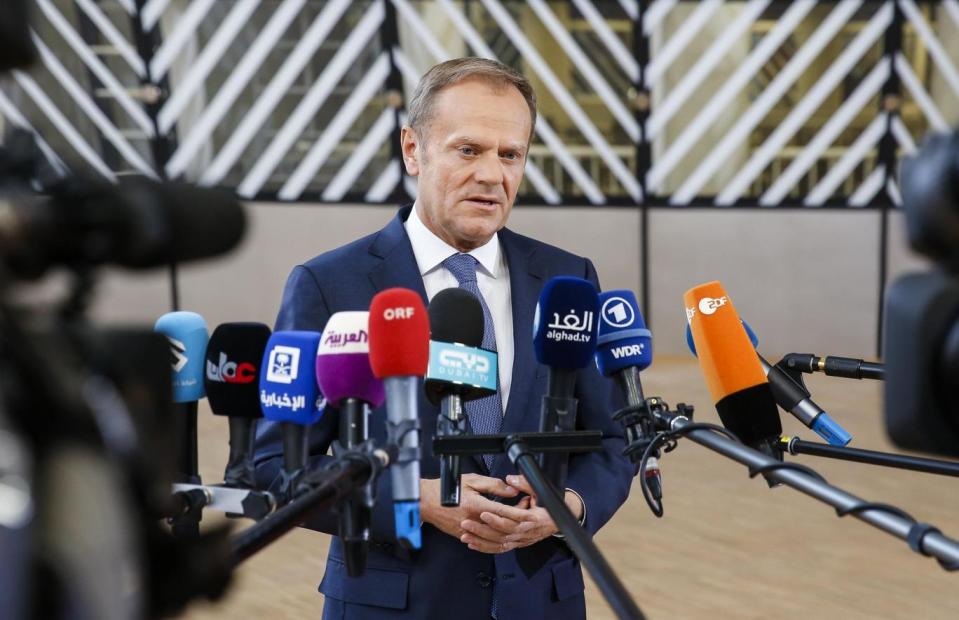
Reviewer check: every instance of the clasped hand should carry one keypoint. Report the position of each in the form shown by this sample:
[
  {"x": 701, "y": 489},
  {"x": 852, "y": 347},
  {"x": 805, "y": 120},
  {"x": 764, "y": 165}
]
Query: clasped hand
[{"x": 488, "y": 526}]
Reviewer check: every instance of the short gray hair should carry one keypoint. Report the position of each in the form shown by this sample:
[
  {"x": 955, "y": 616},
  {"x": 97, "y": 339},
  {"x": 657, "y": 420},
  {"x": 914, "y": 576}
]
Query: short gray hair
[{"x": 458, "y": 70}]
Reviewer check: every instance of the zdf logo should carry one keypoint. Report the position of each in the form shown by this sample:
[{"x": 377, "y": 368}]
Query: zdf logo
[{"x": 709, "y": 305}]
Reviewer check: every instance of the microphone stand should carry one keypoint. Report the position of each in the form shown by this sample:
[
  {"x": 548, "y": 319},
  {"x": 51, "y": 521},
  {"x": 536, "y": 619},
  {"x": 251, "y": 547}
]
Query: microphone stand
[
  {"x": 795, "y": 445},
  {"x": 356, "y": 512},
  {"x": 922, "y": 538},
  {"x": 558, "y": 414},
  {"x": 187, "y": 523},
  {"x": 637, "y": 423},
  {"x": 450, "y": 423},
  {"x": 295, "y": 449},
  {"x": 520, "y": 448},
  {"x": 239, "y": 466}
]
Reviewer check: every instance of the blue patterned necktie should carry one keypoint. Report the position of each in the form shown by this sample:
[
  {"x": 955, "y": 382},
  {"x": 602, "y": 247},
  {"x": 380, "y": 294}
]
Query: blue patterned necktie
[{"x": 485, "y": 414}]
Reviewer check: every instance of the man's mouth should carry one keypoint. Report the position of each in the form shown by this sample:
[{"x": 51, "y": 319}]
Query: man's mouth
[{"x": 485, "y": 201}]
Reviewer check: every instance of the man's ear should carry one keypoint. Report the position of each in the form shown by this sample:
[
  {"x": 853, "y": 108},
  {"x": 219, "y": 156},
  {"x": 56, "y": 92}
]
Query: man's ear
[{"x": 410, "y": 143}]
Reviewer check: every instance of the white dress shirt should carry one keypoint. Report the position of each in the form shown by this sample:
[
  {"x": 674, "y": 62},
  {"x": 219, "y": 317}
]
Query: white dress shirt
[{"x": 492, "y": 276}]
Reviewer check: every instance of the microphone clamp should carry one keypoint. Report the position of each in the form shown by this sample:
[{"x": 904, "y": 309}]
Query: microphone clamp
[
  {"x": 637, "y": 421},
  {"x": 642, "y": 422},
  {"x": 366, "y": 454},
  {"x": 833, "y": 366},
  {"x": 394, "y": 450},
  {"x": 649, "y": 426}
]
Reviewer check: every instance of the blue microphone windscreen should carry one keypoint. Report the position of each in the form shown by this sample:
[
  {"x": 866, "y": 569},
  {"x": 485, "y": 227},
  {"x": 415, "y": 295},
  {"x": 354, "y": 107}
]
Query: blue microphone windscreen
[
  {"x": 623, "y": 341},
  {"x": 187, "y": 336},
  {"x": 565, "y": 324},
  {"x": 288, "y": 388},
  {"x": 753, "y": 338}
]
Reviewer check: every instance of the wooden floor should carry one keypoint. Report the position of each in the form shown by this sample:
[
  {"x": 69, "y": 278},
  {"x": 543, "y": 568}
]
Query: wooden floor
[{"x": 727, "y": 547}]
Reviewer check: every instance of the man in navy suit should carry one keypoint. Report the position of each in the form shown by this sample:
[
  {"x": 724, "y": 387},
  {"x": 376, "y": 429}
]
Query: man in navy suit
[{"x": 470, "y": 126}]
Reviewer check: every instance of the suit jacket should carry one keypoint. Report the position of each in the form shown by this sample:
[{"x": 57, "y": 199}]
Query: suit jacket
[{"x": 444, "y": 578}]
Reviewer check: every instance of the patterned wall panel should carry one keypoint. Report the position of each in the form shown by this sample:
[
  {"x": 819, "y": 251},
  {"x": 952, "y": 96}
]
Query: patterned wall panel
[
  {"x": 664, "y": 103},
  {"x": 83, "y": 98},
  {"x": 280, "y": 98},
  {"x": 800, "y": 84},
  {"x": 583, "y": 72}
]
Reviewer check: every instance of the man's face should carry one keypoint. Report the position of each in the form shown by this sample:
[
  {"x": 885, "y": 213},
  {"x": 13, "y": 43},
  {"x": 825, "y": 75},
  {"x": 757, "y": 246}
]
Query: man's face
[{"x": 471, "y": 161}]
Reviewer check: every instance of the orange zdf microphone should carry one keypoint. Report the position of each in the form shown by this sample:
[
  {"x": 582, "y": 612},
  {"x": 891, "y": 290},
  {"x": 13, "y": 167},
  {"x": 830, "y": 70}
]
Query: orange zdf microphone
[
  {"x": 730, "y": 364},
  {"x": 399, "y": 355}
]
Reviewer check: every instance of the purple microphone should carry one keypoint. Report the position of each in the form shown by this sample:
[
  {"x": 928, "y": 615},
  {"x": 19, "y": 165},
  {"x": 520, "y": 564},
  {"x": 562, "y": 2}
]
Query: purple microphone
[
  {"x": 347, "y": 381},
  {"x": 343, "y": 361}
]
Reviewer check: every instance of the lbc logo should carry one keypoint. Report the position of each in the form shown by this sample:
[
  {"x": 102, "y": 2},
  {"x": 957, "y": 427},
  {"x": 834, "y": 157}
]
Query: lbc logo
[{"x": 230, "y": 372}]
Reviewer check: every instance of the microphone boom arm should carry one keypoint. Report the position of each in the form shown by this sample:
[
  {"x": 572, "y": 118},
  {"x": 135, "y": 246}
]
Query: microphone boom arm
[
  {"x": 795, "y": 445},
  {"x": 350, "y": 472},
  {"x": 922, "y": 538},
  {"x": 576, "y": 537}
]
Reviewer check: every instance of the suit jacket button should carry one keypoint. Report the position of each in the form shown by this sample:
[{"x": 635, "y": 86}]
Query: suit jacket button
[{"x": 483, "y": 579}]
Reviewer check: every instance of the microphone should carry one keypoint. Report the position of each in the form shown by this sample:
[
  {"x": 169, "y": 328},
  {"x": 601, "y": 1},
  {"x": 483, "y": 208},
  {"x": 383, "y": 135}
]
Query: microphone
[
  {"x": 289, "y": 395},
  {"x": 564, "y": 339},
  {"x": 187, "y": 336},
  {"x": 624, "y": 349},
  {"x": 233, "y": 360},
  {"x": 731, "y": 367},
  {"x": 347, "y": 381},
  {"x": 792, "y": 396},
  {"x": 399, "y": 355},
  {"x": 459, "y": 371}
]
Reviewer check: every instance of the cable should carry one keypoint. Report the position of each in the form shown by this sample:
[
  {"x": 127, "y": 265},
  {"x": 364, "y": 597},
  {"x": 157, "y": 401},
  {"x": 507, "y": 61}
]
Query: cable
[
  {"x": 705, "y": 426},
  {"x": 857, "y": 508},
  {"x": 668, "y": 439},
  {"x": 917, "y": 532},
  {"x": 755, "y": 471},
  {"x": 655, "y": 505}
]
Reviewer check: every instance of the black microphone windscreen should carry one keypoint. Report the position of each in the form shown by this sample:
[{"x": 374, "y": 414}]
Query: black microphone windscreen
[
  {"x": 16, "y": 48},
  {"x": 456, "y": 316},
  {"x": 186, "y": 222},
  {"x": 743, "y": 413},
  {"x": 137, "y": 223},
  {"x": 232, "y": 372}
]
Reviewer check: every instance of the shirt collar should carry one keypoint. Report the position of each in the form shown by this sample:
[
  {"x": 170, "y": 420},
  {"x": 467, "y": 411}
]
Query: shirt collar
[{"x": 430, "y": 251}]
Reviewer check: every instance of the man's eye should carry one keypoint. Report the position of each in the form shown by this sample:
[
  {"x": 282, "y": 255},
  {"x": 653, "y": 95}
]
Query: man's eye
[
  {"x": 467, "y": 150},
  {"x": 511, "y": 155}
]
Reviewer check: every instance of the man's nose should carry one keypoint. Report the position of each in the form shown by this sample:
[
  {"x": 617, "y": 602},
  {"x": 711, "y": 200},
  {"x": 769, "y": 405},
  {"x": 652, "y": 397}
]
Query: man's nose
[{"x": 489, "y": 169}]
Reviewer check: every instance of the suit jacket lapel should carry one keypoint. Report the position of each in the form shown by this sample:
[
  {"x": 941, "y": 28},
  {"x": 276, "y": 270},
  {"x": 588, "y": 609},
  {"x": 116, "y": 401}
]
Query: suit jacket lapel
[
  {"x": 398, "y": 265},
  {"x": 526, "y": 276}
]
